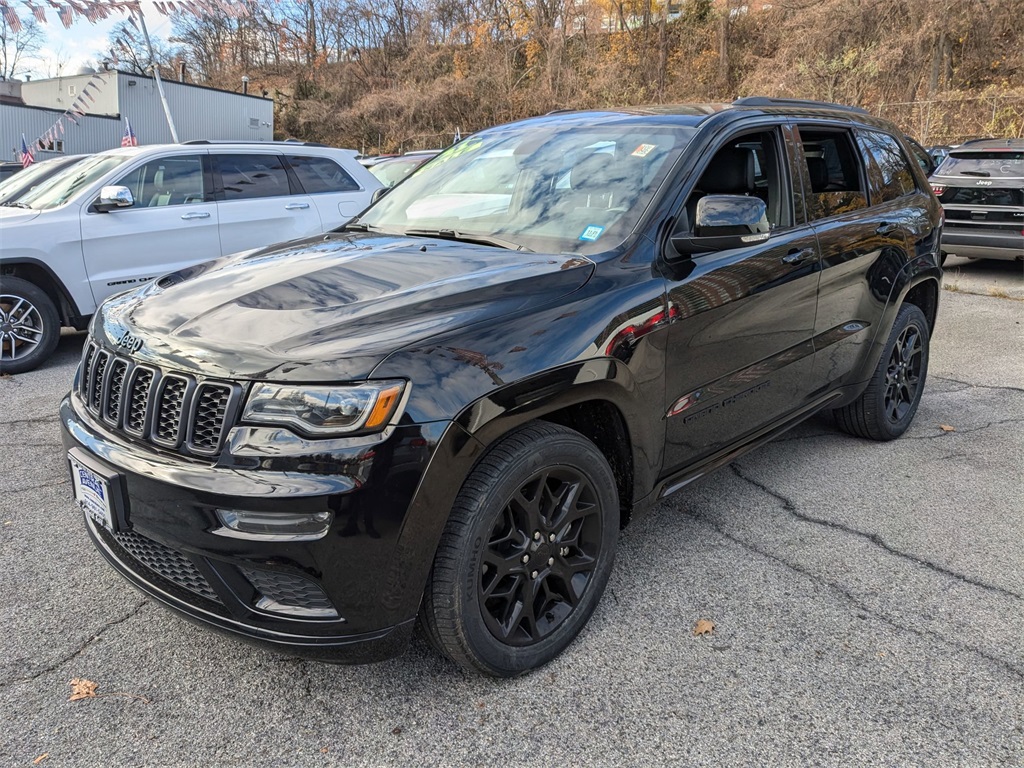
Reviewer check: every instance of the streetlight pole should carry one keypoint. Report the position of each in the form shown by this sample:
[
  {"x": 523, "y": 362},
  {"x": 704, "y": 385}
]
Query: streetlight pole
[{"x": 156, "y": 76}]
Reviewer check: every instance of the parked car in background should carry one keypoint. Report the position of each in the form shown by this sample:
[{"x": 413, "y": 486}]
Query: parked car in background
[
  {"x": 9, "y": 169},
  {"x": 981, "y": 188},
  {"x": 939, "y": 153},
  {"x": 393, "y": 170},
  {"x": 36, "y": 174},
  {"x": 368, "y": 161},
  {"x": 447, "y": 412},
  {"x": 924, "y": 159},
  {"x": 123, "y": 217}
]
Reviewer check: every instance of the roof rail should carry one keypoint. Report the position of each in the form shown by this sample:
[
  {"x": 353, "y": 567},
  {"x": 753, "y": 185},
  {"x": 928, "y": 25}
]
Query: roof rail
[
  {"x": 765, "y": 101},
  {"x": 291, "y": 142}
]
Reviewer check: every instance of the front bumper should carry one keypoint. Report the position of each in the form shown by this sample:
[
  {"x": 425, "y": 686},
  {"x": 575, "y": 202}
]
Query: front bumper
[{"x": 369, "y": 567}]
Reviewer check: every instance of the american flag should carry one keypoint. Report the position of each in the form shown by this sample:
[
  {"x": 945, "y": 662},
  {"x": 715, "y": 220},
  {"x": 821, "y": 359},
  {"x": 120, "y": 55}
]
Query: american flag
[
  {"x": 129, "y": 139},
  {"x": 26, "y": 154}
]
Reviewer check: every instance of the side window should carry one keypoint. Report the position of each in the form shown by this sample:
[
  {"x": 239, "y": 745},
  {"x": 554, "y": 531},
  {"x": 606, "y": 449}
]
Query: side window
[
  {"x": 167, "y": 181},
  {"x": 834, "y": 170},
  {"x": 751, "y": 165},
  {"x": 321, "y": 174},
  {"x": 889, "y": 174},
  {"x": 246, "y": 177}
]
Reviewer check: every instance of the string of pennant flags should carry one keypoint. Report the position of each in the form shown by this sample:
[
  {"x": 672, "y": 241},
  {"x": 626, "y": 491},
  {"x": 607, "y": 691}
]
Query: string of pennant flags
[
  {"x": 68, "y": 11},
  {"x": 98, "y": 10}
]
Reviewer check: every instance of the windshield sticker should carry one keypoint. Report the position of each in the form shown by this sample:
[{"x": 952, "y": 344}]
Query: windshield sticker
[
  {"x": 591, "y": 233},
  {"x": 457, "y": 150},
  {"x": 644, "y": 150}
]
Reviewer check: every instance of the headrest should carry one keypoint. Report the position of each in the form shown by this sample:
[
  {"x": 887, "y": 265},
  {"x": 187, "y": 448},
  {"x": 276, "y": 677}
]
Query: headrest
[
  {"x": 731, "y": 172},
  {"x": 818, "y": 170}
]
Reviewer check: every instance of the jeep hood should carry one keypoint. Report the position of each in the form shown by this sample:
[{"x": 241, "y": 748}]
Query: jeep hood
[{"x": 328, "y": 308}]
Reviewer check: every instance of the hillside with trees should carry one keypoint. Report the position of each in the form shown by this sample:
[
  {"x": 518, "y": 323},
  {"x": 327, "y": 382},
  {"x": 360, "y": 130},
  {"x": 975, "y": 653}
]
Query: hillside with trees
[{"x": 399, "y": 74}]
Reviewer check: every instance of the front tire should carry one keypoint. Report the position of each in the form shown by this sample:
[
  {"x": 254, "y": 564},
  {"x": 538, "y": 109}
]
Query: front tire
[
  {"x": 886, "y": 408},
  {"x": 29, "y": 325},
  {"x": 526, "y": 553}
]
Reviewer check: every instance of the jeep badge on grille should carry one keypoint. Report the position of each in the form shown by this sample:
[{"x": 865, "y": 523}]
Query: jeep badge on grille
[{"x": 130, "y": 342}]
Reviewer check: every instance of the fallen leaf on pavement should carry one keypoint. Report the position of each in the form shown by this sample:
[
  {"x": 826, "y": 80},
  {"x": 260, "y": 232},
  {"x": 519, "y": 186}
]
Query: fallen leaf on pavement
[
  {"x": 704, "y": 627},
  {"x": 40, "y": 759},
  {"x": 82, "y": 689},
  {"x": 947, "y": 428}
]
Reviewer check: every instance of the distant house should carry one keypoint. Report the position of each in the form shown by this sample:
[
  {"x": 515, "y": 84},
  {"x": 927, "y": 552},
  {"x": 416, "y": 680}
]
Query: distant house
[{"x": 106, "y": 98}]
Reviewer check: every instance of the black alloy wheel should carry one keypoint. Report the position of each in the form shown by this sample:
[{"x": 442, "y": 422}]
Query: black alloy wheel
[
  {"x": 903, "y": 374},
  {"x": 540, "y": 556},
  {"x": 887, "y": 406},
  {"x": 526, "y": 553}
]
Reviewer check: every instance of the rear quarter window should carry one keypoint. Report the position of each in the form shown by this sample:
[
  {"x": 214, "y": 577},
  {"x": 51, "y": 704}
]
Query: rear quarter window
[
  {"x": 888, "y": 169},
  {"x": 321, "y": 174}
]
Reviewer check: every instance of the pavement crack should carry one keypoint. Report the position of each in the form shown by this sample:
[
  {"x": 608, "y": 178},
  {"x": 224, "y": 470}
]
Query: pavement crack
[
  {"x": 874, "y": 538},
  {"x": 52, "y": 419},
  {"x": 964, "y": 431},
  {"x": 77, "y": 651},
  {"x": 51, "y": 484},
  {"x": 862, "y": 606},
  {"x": 970, "y": 385}
]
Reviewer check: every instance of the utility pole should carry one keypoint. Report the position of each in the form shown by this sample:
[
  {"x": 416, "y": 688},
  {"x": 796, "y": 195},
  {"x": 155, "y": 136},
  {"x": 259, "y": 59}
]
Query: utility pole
[{"x": 156, "y": 76}]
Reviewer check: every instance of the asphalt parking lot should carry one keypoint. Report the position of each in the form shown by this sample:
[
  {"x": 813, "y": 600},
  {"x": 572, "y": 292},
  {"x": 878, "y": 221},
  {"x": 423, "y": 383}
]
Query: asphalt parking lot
[{"x": 868, "y": 602}]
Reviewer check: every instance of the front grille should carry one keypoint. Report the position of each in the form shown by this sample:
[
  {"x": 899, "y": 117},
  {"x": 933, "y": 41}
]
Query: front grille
[
  {"x": 172, "y": 410},
  {"x": 167, "y": 563},
  {"x": 285, "y": 591}
]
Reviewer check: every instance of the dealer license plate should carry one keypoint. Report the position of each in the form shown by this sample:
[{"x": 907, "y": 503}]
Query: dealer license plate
[{"x": 92, "y": 492}]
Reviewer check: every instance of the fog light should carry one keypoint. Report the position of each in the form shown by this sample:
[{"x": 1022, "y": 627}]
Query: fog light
[{"x": 274, "y": 526}]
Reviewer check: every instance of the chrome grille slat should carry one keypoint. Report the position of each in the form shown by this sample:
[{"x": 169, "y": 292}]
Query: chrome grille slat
[{"x": 172, "y": 410}]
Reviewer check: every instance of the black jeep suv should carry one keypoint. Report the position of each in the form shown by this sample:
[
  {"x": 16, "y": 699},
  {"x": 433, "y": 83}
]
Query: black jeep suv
[
  {"x": 449, "y": 409},
  {"x": 981, "y": 188}
]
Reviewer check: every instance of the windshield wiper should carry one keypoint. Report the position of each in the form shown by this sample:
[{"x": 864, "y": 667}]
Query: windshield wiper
[
  {"x": 465, "y": 237},
  {"x": 16, "y": 204},
  {"x": 356, "y": 226},
  {"x": 975, "y": 173}
]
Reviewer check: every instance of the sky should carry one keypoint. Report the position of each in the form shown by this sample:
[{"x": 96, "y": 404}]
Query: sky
[{"x": 71, "y": 49}]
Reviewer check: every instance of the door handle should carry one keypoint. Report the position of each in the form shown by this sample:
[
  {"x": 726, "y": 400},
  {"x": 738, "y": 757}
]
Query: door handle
[
  {"x": 796, "y": 257},
  {"x": 195, "y": 215},
  {"x": 296, "y": 206},
  {"x": 886, "y": 229}
]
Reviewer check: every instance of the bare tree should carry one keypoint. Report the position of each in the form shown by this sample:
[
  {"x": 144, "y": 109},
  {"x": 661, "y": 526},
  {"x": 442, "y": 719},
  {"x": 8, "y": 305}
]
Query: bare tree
[{"x": 18, "y": 47}]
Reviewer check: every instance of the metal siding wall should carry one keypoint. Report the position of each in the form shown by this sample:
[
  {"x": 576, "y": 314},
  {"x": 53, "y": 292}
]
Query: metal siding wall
[
  {"x": 92, "y": 134},
  {"x": 198, "y": 113}
]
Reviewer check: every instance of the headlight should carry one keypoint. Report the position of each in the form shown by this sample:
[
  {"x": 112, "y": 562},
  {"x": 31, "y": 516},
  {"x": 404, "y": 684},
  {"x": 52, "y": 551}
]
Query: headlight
[{"x": 325, "y": 411}]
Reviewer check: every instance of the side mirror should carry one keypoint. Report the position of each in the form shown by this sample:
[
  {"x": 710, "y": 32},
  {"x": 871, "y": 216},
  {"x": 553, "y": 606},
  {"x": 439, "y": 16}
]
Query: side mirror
[
  {"x": 378, "y": 194},
  {"x": 725, "y": 221},
  {"x": 114, "y": 197}
]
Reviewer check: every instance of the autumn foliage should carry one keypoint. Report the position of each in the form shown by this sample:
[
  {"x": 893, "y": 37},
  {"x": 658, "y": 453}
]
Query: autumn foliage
[{"x": 393, "y": 75}]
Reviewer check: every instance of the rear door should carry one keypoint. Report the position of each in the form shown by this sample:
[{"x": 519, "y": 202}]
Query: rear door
[
  {"x": 740, "y": 352},
  {"x": 172, "y": 224},
  {"x": 257, "y": 202},
  {"x": 338, "y": 196},
  {"x": 862, "y": 235}
]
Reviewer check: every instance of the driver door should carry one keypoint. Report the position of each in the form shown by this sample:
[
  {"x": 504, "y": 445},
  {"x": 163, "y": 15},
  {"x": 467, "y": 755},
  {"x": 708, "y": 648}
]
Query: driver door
[
  {"x": 172, "y": 223},
  {"x": 739, "y": 352}
]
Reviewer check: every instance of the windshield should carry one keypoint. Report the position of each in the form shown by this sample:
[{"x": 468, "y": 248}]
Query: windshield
[
  {"x": 570, "y": 187},
  {"x": 64, "y": 186},
  {"x": 998, "y": 164},
  {"x": 20, "y": 183}
]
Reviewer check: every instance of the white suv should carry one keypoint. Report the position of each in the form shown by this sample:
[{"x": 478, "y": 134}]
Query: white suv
[{"x": 123, "y": 217}]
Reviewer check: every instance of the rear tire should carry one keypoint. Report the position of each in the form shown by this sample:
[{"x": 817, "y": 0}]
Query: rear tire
[
  {"x": 887, "y": 406},
  {"x": 526, "y": 553},
  {"x": 29, "y": 325}
]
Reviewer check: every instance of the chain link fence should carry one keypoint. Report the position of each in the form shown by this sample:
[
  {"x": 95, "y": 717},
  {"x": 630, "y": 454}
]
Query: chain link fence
[{"x": 955, "y": 120}]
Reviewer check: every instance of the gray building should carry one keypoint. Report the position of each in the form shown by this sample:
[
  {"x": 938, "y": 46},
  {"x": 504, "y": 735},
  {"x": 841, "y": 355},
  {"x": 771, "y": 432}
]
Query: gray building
[{"x": 32, "y": 108}]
